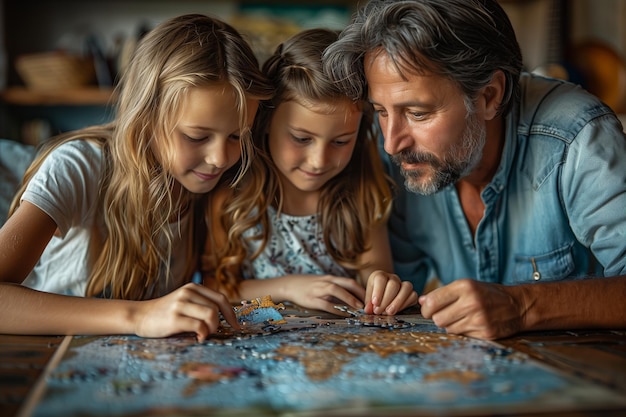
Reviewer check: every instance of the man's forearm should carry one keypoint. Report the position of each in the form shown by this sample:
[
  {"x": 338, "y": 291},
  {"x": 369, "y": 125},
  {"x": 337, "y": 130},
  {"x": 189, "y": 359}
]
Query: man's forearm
[{"x": 587, "y": 303}]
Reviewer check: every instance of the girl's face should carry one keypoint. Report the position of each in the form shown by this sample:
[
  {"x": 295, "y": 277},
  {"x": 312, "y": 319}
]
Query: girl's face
[
  {"x": 206, "y": 142},
  {"x": 310, "y": 145}
]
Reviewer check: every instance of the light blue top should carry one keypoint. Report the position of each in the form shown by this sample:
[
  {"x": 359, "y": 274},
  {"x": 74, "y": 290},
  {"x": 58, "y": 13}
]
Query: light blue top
[{"x": 555, "y": 209}]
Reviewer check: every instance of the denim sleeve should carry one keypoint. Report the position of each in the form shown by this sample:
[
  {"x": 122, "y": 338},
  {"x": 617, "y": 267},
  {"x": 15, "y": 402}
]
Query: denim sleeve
[
  {"x": 594, "y": 191},
  {"x": 409, "y": 262}
]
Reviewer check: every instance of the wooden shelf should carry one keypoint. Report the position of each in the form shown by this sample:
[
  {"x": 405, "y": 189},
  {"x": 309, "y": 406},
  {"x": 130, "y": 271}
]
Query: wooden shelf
[{"x": 67, "y": 97}]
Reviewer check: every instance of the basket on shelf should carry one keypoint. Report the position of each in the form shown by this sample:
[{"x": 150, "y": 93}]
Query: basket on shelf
[{"x": 54, "y": 70}]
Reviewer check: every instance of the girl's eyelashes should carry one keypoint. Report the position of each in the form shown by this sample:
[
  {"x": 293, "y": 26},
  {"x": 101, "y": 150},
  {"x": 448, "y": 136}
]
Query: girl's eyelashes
[
  {"x": 232, "y": 136},
  {"x": 192, "y": 139},
  {"x": 304, "y": 140},
  {"x": 299, "y": 139},
  {"x": 346, "y": 139}
]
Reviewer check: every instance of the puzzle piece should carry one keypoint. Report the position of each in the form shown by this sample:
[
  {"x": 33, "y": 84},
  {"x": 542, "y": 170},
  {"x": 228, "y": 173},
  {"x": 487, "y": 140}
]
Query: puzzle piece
[
  {"x": 349, "y": 310},
  {"x": 259, "y": 310},
  {"x": 249, "y": 330},
  {"x": 372, "y": 320},
  {"x": 361, "y": 319}
]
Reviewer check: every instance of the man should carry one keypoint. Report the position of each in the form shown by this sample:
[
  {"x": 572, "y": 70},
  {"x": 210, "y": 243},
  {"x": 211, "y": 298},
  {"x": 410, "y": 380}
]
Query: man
[{"x": 517, "y": 183}]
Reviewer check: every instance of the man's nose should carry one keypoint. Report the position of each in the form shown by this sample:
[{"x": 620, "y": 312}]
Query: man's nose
[{"x": 395, "y": 134}]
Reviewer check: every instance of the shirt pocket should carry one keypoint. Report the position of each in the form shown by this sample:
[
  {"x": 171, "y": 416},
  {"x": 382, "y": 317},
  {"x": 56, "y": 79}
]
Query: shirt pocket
[{"x": 552, "y": 266}]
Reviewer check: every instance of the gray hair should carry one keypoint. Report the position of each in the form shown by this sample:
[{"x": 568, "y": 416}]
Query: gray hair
[{"x": 465, "y": 41}]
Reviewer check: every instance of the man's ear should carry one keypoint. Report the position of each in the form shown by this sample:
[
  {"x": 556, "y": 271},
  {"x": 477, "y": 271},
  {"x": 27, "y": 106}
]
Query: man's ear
[{"x": 493, "y": 93}]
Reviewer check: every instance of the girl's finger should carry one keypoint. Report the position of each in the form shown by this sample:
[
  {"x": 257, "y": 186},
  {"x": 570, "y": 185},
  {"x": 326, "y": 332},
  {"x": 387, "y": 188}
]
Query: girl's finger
[{"x": 216, "y": 301}]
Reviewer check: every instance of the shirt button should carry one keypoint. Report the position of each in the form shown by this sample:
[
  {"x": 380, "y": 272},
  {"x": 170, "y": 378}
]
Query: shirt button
[{"x": 536, "y": 276}]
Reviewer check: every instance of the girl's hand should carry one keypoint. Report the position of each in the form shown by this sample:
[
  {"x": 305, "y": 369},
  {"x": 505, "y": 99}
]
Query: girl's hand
[
  {"x": 387, "y": 294},
  {"x": 323, "y": 292},
  {"x": 191, "y": 308}
]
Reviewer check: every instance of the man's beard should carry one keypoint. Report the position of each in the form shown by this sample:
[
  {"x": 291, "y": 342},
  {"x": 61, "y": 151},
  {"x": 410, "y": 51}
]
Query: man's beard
[{"x": 459, "y": 162}]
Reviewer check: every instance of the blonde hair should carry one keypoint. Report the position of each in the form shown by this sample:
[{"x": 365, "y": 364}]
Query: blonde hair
[
  {"x": 350, "y": 203},
  {"x": 136, "y": 190}
]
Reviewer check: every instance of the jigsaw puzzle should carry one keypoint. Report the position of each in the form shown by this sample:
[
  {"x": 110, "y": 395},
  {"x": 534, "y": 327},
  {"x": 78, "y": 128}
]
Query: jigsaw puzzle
[{"x": 285, "y": 363}]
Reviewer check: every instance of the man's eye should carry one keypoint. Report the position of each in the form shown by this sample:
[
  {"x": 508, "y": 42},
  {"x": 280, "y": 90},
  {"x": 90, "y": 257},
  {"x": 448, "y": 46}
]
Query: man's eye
[{"x": 417, "y": 115}]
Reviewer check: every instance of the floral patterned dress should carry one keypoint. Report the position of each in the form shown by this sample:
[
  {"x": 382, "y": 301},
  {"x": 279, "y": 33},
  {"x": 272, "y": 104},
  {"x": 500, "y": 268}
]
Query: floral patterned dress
[{"x": 295, "y": 246}]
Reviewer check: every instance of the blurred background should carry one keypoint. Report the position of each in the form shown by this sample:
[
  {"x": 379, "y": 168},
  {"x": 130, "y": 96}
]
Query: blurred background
[{"x": 59, "y": 60}]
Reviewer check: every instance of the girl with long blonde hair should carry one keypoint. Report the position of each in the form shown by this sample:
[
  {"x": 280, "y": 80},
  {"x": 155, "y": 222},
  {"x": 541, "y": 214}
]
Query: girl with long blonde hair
[{"x": 113, "y": 215}]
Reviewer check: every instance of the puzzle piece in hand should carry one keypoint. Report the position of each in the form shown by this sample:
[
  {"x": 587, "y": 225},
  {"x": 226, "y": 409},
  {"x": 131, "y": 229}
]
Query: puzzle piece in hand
[
  {"x": 259, "y": 310},
  {"x": 259, "y": 317}
]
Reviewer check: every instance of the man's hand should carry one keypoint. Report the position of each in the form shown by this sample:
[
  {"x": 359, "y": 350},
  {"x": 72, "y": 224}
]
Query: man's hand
[{"x": 473, "y": 308}]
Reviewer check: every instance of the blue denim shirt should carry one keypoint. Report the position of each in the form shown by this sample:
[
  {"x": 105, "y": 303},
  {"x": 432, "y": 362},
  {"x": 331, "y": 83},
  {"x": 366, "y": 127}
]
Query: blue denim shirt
[{"x": 555, "y": 209}]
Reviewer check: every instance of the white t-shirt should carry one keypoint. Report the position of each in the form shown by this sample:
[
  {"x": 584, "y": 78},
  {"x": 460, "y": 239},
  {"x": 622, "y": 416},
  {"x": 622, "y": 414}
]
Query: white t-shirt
[{"x": 66, "y": 188}]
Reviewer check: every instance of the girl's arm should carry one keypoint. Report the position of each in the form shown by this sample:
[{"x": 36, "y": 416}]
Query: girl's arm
[
  {"x": 191, "y": 308},
  {"x": 23, "y": 238},
  {"x": 385, "y": 292},
  {"x": 25, "y": 311},
  {"x": 308, "y": 291},
  {"x": 318, "y": 292}
]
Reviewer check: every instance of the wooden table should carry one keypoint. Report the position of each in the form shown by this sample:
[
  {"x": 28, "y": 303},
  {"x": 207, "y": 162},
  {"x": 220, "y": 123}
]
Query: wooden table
[
  {"x": 596, "y": 356},
  {"x": 23, "y": 360}
]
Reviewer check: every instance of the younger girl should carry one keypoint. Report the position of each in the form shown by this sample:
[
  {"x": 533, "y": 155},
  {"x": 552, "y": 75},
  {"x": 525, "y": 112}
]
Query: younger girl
[
  {"x": 311, "y": 213},
  {"x": 110, "y": 211}
]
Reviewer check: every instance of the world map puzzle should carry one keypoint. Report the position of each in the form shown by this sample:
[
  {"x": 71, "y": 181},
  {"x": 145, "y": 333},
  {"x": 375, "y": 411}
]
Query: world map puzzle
[{"x": 292, "y": 364}]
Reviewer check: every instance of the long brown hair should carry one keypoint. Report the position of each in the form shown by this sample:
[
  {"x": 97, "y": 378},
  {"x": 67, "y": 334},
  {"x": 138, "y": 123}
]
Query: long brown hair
[{"x": 350, "y": 203}]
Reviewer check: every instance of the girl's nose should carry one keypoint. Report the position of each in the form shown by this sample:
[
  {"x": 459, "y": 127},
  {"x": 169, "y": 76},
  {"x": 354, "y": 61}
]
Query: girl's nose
[
  {"x": 318, "y": 156},
  {"x": 217, "y": 153}
]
